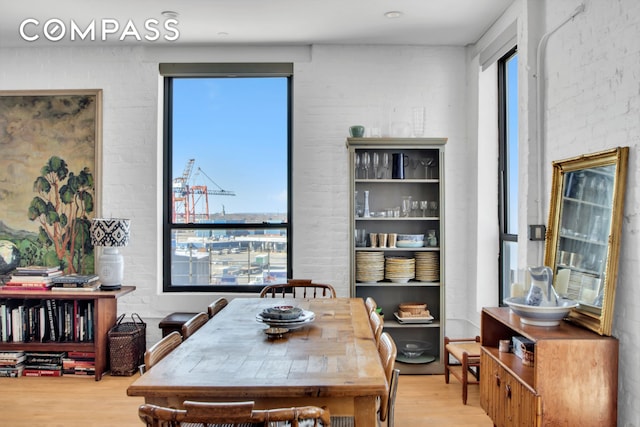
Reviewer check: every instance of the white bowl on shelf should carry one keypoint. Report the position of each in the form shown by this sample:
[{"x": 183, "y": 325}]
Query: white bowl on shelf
[
  {"x": 540, "y": 316},
  {"x": 409, "y": 244}
]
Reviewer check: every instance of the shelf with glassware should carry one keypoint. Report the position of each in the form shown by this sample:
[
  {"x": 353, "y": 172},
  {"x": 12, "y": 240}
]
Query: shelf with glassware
[{"x": 398, "y": 228}]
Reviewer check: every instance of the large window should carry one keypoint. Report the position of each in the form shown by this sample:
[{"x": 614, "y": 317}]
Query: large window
[
  {"x": 226, "y": 176},
  {"x": 508, "y": 134}
]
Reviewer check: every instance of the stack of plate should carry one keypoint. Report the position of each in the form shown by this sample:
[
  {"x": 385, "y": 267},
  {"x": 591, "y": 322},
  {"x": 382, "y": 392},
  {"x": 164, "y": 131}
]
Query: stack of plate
[
  {"x": 369, "y": 266},
  {"x": 400, "y": 269},
  {"x": 427, "y": 266},
  {"x": 305, "y": 317}
]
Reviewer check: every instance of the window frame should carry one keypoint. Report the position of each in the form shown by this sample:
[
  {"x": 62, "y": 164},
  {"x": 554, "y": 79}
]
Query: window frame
[
  {"x": 503, "y": 174},
  {"x": 223, "y": 70}
]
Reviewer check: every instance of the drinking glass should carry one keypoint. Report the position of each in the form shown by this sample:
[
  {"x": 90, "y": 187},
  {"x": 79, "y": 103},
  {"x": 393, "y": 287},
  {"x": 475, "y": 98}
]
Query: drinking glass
[
  {"x": 433, "y": 208},
  {"x": 428, "y": 164},
  {"x": 358, "y": 162},
  {"x": 424, "y": 205},
  {"x": 366, "y": 162},
  {"x": 406, "y": 206},
  {"x": 418, "y": 121},
  {"x": 376, "y": 164},
  {"x": 385, "y": 164},
  {"x": 414, "y": 207}
]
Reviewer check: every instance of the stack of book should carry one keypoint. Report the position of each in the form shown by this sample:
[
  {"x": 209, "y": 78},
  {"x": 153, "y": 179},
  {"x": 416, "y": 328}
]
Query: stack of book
[
  {"x": 11, "y": 363},
  {"x": 35, "y": 277},
  {"x": 76, "y": 282},
  {"x": 43, "y": 364},
  {"x": 79, "y": 363}
]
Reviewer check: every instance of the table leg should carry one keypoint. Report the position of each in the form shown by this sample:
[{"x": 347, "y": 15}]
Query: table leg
[{"x": 365, "y": 411}]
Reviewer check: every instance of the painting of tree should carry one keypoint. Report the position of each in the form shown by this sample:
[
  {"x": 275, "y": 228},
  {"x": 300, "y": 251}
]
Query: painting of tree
[
  {"x": 49, "y": 175},
  {"x": 61, "y": 207}
]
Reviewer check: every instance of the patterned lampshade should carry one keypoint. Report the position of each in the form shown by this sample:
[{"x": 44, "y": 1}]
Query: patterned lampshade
[{"x": 110, "y": 232}]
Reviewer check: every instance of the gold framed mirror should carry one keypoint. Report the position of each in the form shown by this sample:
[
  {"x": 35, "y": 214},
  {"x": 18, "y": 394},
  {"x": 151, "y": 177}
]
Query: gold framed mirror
[{"x": 583, "y": 234}]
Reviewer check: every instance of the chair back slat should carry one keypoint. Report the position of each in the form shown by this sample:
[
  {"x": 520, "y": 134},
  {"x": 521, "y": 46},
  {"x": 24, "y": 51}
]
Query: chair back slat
[
  {"x": 217, "y": 305},
  {"x": 192, "y": 325},
  {"x": 371, "y": 304},
  {"x": 160, "y": 349},
  {"x": 298, "y": 288},
  {"x": 388, "y": 352},
  {"x": 230, "y": 414}
]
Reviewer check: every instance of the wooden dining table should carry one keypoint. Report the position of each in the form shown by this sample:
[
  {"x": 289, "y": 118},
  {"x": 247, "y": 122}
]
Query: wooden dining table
[{"x": 332, "y": 361}]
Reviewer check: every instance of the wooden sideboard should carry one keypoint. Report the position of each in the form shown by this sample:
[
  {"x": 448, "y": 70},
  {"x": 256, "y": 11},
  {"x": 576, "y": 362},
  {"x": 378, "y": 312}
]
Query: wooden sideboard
[
  {"x": 573, "y": 379},
  {"x": 105, "y": 313}
]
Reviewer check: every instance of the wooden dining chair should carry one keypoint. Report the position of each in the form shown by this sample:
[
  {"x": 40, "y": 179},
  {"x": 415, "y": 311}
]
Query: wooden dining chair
[
  {"x": 227, "y": 414},
  {"x": 216, "y": 306},
  {"x": 159, "y": 350},
  {"x": 371, "y": 304},
  {"x": 193, "y": 324},
  {"x": 377, "y": 324},
  {"x": 298, "y": 288},
  {"x": 386, "y": 409}
]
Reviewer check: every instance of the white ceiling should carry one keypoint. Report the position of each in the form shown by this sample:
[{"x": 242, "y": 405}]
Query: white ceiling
[{"x": 273, "y": 22}]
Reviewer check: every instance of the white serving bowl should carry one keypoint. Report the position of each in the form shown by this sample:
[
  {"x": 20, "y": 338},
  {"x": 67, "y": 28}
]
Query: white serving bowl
[
  {"x": 540, "y": 316},
  {"x": 411, "y": 237}
]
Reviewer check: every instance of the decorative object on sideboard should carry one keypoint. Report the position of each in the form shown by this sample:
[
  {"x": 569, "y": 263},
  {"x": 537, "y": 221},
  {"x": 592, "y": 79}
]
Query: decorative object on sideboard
[
  {"x": 356, "y": 131},
  {"x": 110, "y": 234}
]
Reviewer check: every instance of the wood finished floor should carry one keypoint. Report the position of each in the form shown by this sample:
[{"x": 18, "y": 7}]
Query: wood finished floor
[{"x": 423, "y": 401}]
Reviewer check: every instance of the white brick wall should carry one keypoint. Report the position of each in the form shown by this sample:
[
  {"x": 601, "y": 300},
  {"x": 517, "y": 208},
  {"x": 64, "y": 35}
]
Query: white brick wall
[
  {"x": 334, "y": 87},
  {"x": 593, "y": 103}
]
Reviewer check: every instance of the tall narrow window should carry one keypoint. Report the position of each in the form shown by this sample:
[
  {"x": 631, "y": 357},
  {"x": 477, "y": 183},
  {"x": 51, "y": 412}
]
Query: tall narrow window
[
  {"x": 508, "y": 179},
  {"x": 227, "y": 199}
]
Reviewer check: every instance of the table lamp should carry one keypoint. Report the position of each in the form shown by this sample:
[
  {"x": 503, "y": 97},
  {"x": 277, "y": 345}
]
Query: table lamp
[{"x": 110, "y": 233}]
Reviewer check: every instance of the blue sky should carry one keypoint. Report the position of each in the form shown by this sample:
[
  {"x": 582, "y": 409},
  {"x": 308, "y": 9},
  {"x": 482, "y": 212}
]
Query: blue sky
[{"x": 236, "y": 130}]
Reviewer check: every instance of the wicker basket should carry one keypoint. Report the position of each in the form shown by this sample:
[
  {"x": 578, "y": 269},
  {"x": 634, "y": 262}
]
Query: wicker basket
[
  {"x": 414, "y": 308},
  {"x": 127, "y": 344}
]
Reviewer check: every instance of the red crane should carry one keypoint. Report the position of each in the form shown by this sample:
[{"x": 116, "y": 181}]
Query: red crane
[{"x": 191, "y": 201}]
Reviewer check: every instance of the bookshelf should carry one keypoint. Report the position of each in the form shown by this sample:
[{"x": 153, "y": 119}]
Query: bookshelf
[{"x": 104, "y": 317}]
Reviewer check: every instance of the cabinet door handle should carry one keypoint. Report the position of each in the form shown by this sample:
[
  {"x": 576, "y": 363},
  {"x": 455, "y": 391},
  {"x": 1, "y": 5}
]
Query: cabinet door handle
[
  {"x": 497, "y": 380},
  {"x": 508, "y": 391}
]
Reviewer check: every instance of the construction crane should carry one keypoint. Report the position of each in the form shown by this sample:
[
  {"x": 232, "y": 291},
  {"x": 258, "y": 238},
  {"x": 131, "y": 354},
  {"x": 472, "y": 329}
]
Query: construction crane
[{"x": 191, "y": 201}]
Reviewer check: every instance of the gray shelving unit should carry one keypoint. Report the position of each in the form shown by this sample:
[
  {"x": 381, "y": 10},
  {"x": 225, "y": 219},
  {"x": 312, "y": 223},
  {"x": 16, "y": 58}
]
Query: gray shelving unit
[{"x": 385, "y": 196}]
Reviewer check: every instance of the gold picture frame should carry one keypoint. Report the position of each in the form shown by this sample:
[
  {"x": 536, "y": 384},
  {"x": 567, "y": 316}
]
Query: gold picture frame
[
  {"x": 50, "y": 171},
  {"x": 583, "y": 236}
]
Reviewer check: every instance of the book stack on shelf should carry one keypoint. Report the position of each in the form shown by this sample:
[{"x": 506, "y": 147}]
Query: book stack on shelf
[
  {"x": 46, "y": 320},
  {"x": 76, "y": 282},
  {"x": 32, "y": 278},
  {"x": 11, "y": 363},
  {"x": 79, "y": 363},
  {"x": 43, "y": 364}
]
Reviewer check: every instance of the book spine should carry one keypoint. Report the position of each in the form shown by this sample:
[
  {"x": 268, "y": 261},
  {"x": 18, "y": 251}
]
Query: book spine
[
  {"x": 51, "y": 328},
  {"x": 81, "y": 354},
  {"x": 41, "y": 373}
]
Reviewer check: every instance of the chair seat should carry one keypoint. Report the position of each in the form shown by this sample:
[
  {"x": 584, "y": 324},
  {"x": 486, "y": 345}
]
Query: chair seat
[
  {"x": 471, "y": 348},
  {"x": 173, "y": 322}
]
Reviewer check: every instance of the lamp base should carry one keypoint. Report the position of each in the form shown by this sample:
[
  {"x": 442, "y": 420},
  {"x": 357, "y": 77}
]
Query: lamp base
[
  {"x": 110, "y": 287},
  {"x": 110, "y": 268}
]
